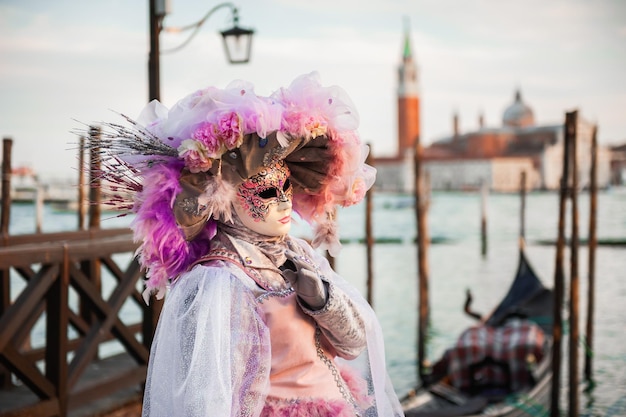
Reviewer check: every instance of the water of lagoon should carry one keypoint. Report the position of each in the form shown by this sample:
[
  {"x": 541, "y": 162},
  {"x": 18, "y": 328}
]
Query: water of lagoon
[{"x": 455, "y": 264}]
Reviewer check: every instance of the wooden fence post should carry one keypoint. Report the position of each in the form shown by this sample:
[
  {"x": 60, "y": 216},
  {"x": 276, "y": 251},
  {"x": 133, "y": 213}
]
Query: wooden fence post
[{"x": 57, "y": 321}]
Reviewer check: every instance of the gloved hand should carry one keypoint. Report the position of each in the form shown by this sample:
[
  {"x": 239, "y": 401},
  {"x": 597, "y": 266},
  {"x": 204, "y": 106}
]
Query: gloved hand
[{"x": 305, "y": 279}]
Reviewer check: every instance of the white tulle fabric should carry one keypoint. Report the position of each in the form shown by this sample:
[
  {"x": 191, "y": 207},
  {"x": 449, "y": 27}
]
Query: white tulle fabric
[{"x": 211, "y": 352}]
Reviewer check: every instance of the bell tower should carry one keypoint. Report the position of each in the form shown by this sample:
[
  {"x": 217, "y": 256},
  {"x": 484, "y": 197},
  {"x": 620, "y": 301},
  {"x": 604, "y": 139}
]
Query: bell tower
[{"x": 408, "y": 98}]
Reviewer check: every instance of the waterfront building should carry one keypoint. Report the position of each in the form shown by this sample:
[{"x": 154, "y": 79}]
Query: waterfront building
[
  {"x": 498, "y": 155},
  {"x": 495, "y": 156},
  {"x": 618, "y": 164}
]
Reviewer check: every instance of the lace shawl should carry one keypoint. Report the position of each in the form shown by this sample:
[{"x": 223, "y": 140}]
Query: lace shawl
[{"x": 211, "y": 352}]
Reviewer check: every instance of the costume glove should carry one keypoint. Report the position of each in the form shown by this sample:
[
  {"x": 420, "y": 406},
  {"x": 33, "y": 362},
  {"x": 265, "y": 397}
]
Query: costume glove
[{"x": 304, "y": 277}]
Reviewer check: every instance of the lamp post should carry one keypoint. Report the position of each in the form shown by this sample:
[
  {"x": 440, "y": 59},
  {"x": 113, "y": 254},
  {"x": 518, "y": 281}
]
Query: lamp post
[{"x": 237, "y": 40}]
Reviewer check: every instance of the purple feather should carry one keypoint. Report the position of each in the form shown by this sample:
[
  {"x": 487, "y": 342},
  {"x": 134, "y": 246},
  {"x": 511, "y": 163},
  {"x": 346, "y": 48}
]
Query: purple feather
[{"x": 164, "y": 252}]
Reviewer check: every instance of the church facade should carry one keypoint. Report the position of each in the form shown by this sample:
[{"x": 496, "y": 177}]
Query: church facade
[
  {"x": 497, "y": 156},
  {"x": 493, "y": 156}
]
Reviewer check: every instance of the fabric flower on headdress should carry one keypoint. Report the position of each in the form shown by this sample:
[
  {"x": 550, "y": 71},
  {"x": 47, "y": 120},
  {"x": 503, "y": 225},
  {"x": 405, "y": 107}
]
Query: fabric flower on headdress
[
  {"x": 207, "y": 135},
  {"x": 297, "y": 123},
  {"x": 230, "y": 130},
  {"x": 196, "y": 155}
]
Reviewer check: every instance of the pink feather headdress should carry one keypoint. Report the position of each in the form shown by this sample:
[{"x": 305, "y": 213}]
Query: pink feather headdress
[{"x": 181, "y": 166}]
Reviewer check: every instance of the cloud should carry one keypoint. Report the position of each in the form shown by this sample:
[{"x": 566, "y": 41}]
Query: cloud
[{"x": 64, "y": 60}]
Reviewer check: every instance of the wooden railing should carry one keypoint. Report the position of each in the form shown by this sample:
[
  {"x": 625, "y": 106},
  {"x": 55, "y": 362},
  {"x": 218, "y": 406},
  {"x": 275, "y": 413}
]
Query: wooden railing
[{"x": 63, "y": 289}]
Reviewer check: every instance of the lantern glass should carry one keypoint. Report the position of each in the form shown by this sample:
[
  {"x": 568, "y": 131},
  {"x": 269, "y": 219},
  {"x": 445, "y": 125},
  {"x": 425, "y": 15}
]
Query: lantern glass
[{"x": 238, "y": 44}]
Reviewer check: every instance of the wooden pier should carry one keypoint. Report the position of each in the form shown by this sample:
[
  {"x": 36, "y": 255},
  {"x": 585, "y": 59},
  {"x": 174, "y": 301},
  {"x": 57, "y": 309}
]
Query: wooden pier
[
  {"x": 68, "y": 375},
  {"x": 65, "y": 347}
]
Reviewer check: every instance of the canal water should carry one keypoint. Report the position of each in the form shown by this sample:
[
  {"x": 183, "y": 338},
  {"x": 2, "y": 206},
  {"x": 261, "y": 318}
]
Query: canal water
[{"x": 455, "y": 264}]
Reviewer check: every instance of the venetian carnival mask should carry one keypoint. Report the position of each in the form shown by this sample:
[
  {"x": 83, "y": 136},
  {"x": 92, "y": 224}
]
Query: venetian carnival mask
[{"x": 264, "y": 201}]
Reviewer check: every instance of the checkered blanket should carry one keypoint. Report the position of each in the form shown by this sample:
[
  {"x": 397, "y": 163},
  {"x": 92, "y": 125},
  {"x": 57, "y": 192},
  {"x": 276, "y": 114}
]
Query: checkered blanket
[{"x": 509, "y": 345}]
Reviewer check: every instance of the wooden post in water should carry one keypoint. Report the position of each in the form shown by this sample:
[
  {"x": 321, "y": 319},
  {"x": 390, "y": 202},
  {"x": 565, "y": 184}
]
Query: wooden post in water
[
  {"x": 5, "y": 216},
  {"x": 7, "y": 145},
  {"x": 81, "y": 184},
  {"x": 91, "y": 268},
  {"x": 574, "y": 279},
  {"x": 522, "y": 230},
  {"x": 559, "y": 276},
  {"x": 95, "y": 194},
  {"x": 39, "y": 208},
  {"x": 484, "y": 190},
  {"x": 369, "y": 239},
  {"x": 422, "y": 260},
  {"x": 593, "y": 242}
]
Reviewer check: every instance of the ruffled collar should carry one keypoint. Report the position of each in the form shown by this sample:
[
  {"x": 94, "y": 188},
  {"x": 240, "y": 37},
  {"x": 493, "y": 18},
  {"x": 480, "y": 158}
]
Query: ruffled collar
[
  {"x": 273, "y": 247},
  {"x": 263, "y": 253}
]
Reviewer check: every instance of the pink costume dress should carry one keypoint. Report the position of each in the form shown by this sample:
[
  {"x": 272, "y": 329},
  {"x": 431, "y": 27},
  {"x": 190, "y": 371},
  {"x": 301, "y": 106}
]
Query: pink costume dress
[{"x": 233, "y": 339}]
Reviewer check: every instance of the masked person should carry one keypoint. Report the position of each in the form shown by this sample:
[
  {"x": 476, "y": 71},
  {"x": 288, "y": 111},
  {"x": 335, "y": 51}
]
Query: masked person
[{"x": 255, "y": 321}]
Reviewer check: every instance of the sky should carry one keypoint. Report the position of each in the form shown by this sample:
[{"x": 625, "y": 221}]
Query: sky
[{"x": 67, "y": 63}]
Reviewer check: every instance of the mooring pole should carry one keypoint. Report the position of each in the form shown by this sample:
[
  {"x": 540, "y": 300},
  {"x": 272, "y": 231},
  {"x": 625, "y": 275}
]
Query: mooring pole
[
  {"x": 593, "y": 243},
  {"x": 5, "y": 216},
  {"x": 369, "y": 239},
  {"x": 559, "y": 275},
  {"x": 422, "y": 251},
  {"x": 7, "y": 145},
  {"x": 95, "y": 191},
  {"x": 574, "y": 280},
  {"x": 522, "y": 215},
  {"x": 39, "y": 202},
  {"x": 91, "y": 268},
  {"x": 81, "y": 184},
  {"x": 484, "y": 190}
]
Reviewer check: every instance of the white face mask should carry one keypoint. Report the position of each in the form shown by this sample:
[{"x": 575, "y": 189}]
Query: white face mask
[{"x": 264, "y": 201}]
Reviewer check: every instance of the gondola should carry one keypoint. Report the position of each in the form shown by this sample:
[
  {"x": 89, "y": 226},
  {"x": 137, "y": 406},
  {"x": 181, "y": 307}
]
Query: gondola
[{"x": 500, "y": 367}]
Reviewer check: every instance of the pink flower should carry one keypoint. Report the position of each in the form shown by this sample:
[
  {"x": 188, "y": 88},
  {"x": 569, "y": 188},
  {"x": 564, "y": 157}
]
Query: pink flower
[
  {"x": 299, "y": 124},
  {"x": 229, "y": 130},
  {"x": 194, "y": 153},
  {"x": 316, "y": 127},
  {"x": 293, "y": 123},
  {"x": 207, "y": 134}
]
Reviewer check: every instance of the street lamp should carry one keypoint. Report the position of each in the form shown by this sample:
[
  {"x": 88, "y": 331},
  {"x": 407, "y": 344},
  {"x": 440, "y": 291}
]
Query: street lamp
[{"x": 237, "y": 40}]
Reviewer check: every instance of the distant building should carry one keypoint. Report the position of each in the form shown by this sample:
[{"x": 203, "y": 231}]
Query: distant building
[
  {"x": 504, "y": 152},
  {"x": 618, "y": 165},
  {"x": 27, "y": 187},
  {"x": 493, "y": 155}
]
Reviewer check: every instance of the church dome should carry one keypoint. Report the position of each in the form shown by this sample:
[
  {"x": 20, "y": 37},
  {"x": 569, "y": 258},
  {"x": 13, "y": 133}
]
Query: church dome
[{"x": 518, "y": 114}]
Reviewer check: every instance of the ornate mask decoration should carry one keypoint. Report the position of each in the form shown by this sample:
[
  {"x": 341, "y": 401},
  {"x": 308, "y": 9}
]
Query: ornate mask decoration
[{"x": 269, "y": 187}]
